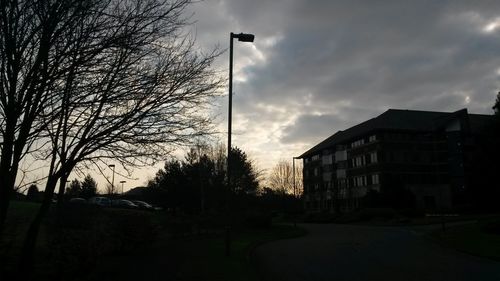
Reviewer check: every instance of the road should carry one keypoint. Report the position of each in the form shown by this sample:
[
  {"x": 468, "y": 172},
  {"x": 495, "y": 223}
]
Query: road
[{"x": 368, "y": 253}]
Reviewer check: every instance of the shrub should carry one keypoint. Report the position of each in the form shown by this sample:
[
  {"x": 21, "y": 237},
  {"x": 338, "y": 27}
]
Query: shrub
[
  {"x": 320, "y": 217},
  {"x": 258, "y": 219},
  {"x": 492, "y": 227}
]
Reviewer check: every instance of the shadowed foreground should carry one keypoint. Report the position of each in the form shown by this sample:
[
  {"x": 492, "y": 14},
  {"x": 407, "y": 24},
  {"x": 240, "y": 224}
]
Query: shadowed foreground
[{"x": 347, "y": 252}]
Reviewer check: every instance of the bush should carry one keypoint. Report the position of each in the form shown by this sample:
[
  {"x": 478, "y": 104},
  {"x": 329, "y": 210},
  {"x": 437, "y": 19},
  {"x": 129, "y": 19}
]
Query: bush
[
  {"x": 492, "y": 227},
  {"x": 411, "y": 212},
  {"x": 377, "y": 213},
  {"x": 258, "y": 219},
  {"x": 320, "y": 217}
]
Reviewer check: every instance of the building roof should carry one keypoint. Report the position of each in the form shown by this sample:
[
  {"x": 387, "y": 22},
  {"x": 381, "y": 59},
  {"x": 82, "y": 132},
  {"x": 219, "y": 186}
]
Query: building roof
[{"x": 401, "y": 120}]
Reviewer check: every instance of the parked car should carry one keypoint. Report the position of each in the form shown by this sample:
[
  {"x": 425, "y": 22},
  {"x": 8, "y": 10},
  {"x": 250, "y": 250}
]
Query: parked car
[
  {"x": 122, "y": 203},
  {"x": 100, "y": 201},
  {"x": 77, "y": 200},
  {"x": 143, "y": 205}
]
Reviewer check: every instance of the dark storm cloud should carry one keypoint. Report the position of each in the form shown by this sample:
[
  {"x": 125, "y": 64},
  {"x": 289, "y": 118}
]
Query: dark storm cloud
[{"x": 332, "y": 63}]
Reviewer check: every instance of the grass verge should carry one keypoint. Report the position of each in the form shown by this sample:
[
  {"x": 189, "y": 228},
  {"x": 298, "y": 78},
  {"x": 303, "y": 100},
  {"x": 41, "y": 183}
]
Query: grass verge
[
  {"x": 472, "y": 239},
  {"x": 205, "y": 259}
]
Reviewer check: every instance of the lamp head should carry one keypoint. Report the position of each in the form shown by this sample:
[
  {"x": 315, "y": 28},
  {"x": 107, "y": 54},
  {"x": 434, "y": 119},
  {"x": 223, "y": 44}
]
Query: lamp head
[{"x": 244, "y": 37}]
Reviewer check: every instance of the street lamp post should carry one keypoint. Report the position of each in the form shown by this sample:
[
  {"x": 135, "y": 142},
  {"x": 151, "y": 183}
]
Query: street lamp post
[
  {"x": 243, "y": 37},
  {"x": 122, "y": 182},
  {"x": 294, "y": 190},
  {"x": 113, "y": 179}
]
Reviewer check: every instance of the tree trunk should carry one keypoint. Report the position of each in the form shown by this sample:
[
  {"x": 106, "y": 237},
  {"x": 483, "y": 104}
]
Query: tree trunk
[
  {"x": 4, "y": 206},
  {"x": 6, "y": 188},
  {"x": 27, "y": 259},
  {"x": 7, "y": 174},
  {"x": 61, "y": 192}
]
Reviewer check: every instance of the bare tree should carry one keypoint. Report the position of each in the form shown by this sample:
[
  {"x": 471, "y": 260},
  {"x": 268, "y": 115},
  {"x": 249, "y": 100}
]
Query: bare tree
[
  {"x": 281, "y": 178},
  {"x": 110, "y": 189},
  {"x": 134, "y": 87},
  {"x": 30, "y": 33}
]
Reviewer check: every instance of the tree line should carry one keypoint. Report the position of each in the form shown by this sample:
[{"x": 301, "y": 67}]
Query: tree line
[
  {"x": 85, "y": 188},
  {"x": 199, "y": 182}
]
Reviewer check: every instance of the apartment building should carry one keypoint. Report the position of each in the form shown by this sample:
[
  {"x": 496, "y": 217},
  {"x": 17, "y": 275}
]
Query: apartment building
[{"x": 423, "y": 154}]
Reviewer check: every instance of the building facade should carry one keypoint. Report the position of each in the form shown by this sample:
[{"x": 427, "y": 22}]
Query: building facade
[{"x": 422, "y": 156}]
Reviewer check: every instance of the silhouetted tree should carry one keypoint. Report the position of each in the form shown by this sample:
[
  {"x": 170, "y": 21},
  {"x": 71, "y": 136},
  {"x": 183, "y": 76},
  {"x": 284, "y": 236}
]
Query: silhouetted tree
[
  {"x": 33, "y": 192},
  {"x": 88, "y": 187},
  {"x": 111, "y": 189},
  {"x": 244, "y": 176},
  {"x": 496, "y": 106},
  {"x": 198, "y": 182},
  {"x": 29, "y": 65},
  {"x": 131, "y": 85},
  {"x": 74, "y": 189}
]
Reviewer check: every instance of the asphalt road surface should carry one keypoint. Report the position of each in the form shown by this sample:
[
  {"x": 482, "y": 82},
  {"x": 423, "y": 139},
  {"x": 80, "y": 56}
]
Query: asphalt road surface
[{"x": 367, "y": 253}]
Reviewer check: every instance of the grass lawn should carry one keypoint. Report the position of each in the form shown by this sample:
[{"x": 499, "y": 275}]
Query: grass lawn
[
  {"x": 205, "y": 259},
  {"x": 185, "y": 258},
  {"x": 192, "y": 258},
  {"x": 19, "y": 217},
  {"x": 471, "y": 239}
]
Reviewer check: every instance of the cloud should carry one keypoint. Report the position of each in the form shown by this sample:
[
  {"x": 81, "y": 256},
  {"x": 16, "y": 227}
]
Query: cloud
[{"x": 322, "y": 66}]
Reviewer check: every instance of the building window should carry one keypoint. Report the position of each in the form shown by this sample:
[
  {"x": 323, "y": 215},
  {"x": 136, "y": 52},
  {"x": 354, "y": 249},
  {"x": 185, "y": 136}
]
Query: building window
[
  {"x": 359, "y": 181},
  {"x": 358, "y": 143},
  {"x": 372, "y": 138},
  {"x": 315, "y": 171},
  {"x": 373, "y": 157},
  {"x": 315, "y": 157},
  {"x": 358, "y": 161},
  {"x": 375, "y": 179}
]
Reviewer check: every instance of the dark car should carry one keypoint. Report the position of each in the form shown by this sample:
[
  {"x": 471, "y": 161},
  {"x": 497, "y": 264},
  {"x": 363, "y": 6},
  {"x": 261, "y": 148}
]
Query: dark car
[
  {"x": 143, "y": 205},
  {"x": 122, "y": 203},
  {"x": 100, "y": 201},
  {"x": 77, "y": 200}
]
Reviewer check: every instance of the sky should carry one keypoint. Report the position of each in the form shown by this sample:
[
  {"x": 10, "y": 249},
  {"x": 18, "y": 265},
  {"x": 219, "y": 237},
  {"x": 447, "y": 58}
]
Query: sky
[{"x": 317, "y": 67}]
